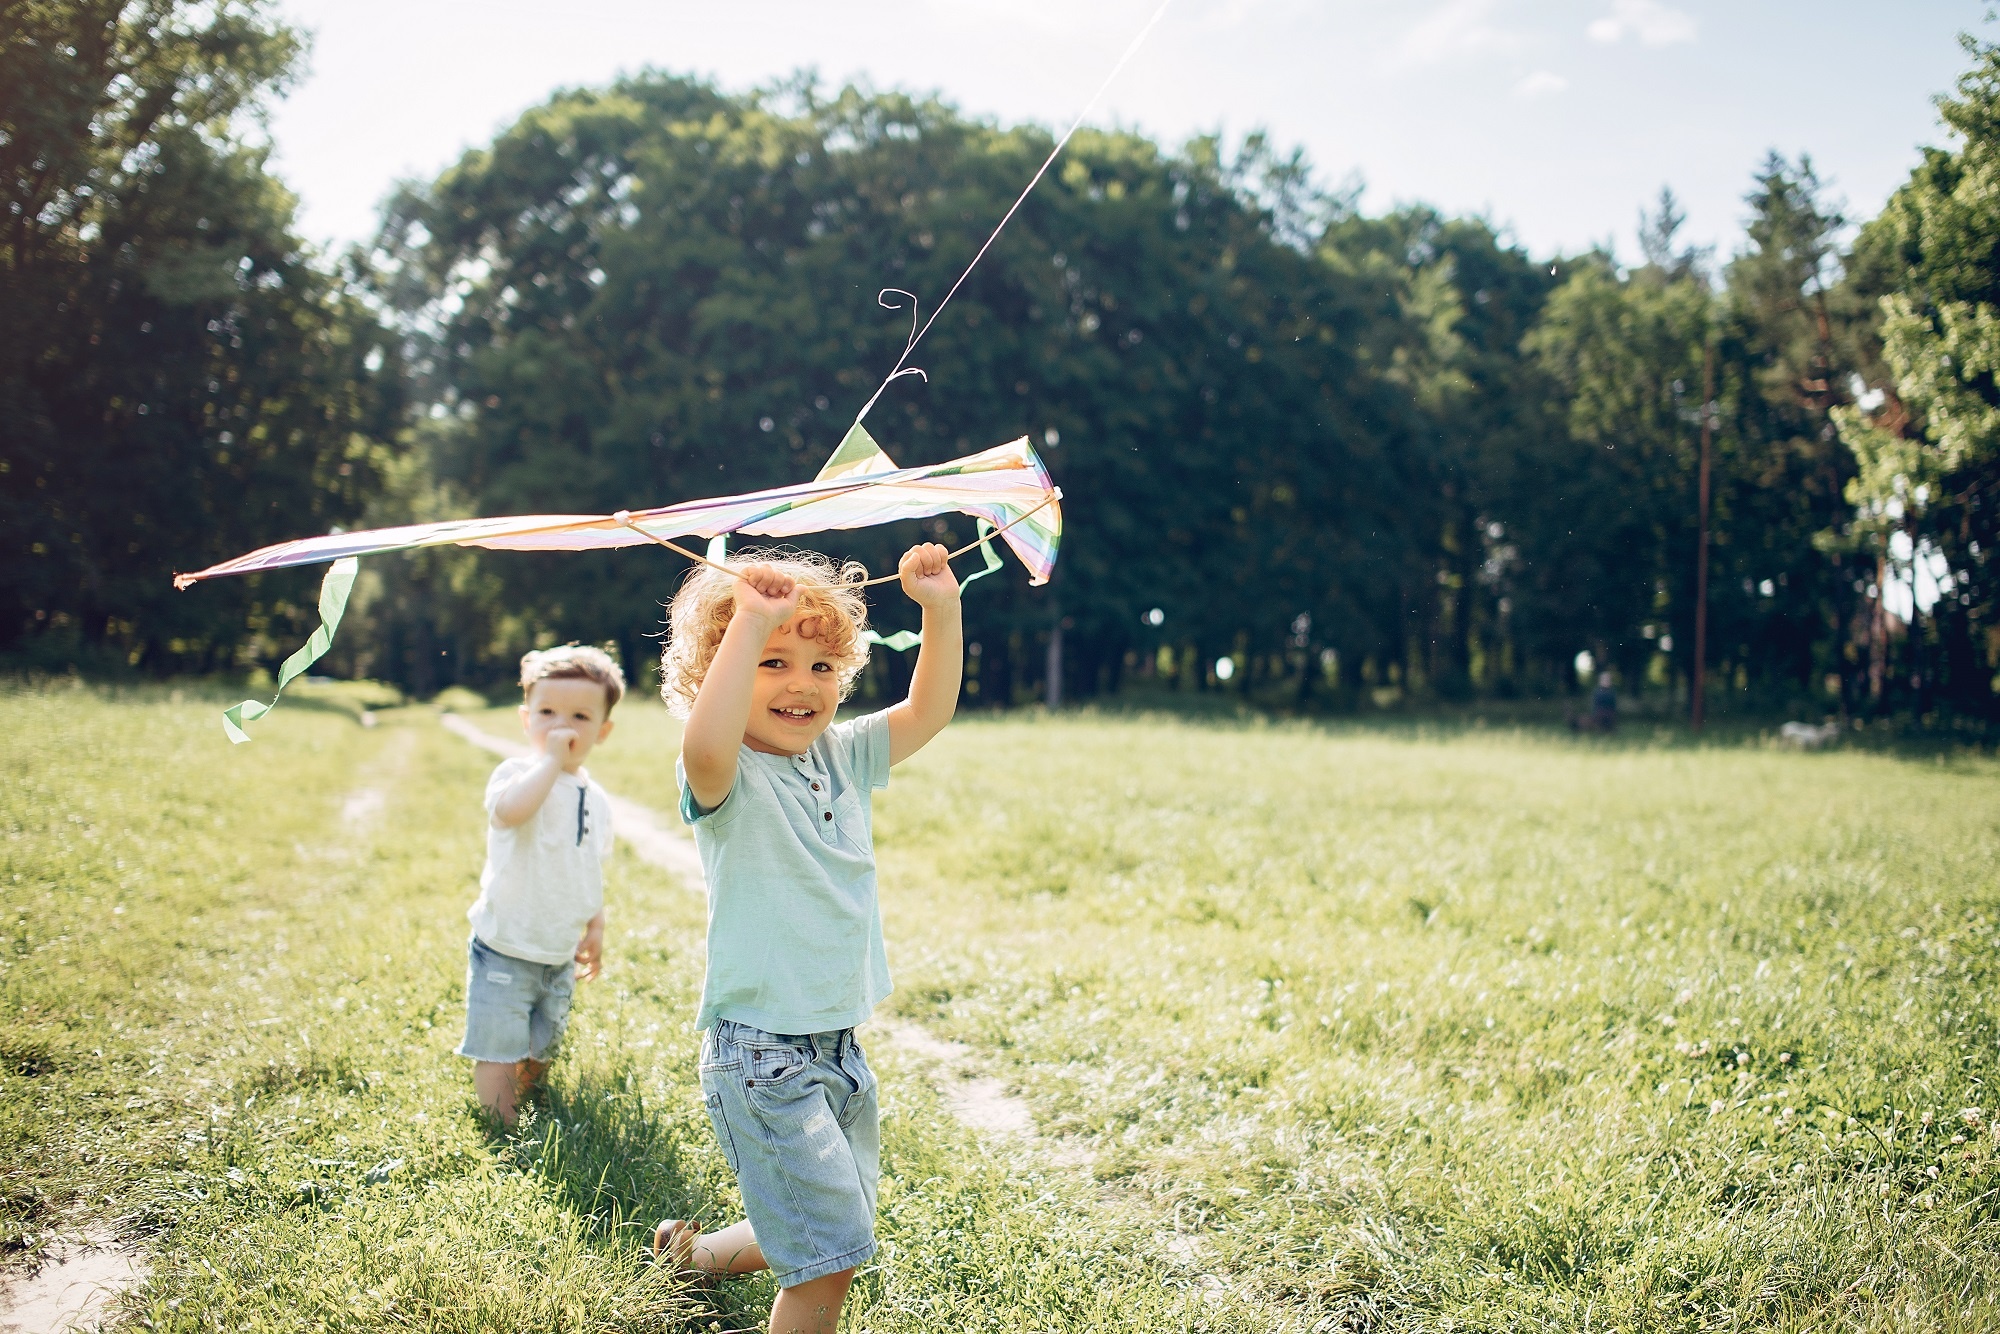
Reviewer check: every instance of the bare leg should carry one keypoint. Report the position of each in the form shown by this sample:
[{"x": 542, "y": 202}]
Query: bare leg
[
  {"x": 733, "y": 1250},
  {"x": 812, "y": 1307},
  {"x": 498, "y": 1085}
]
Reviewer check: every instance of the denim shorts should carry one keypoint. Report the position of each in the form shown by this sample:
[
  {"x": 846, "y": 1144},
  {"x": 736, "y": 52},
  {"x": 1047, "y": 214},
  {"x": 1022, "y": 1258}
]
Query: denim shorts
[
  {"x": 796, "y": 1117},
  {"x": 514, "y": 1010}
]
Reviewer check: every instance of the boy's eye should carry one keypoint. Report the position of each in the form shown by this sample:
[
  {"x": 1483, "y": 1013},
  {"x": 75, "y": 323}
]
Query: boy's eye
[
  {"x": 778, "y": 663},
  {"x": 822, "y": 666}
]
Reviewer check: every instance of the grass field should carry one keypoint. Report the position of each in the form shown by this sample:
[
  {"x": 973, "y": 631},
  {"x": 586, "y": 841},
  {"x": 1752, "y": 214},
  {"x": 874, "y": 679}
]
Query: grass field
[{"x": 1321, "y": 1029}]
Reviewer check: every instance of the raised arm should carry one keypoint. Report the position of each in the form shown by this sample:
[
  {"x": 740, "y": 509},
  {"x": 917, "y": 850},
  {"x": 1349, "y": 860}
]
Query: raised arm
[
  {"x": 928, "y": 579},
  {"x": 525, "y": 795},
  {"x": 765, "y": 600}
]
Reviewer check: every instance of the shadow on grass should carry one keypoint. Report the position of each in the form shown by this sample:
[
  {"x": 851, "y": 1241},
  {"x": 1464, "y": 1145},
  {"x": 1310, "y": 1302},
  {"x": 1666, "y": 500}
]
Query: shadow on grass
[
  {"x": 1645, "y": 725},
  {"x": 623, "y": 1165}
]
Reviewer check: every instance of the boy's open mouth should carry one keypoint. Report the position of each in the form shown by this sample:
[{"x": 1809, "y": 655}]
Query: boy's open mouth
[{"x": 795, "y": 713}]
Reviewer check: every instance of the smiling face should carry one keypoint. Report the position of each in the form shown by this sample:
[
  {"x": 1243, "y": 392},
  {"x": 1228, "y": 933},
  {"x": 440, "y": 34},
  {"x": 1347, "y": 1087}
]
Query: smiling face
[
  {"x": 797, "y": 690},
  {"x": 571, "y": 702}
]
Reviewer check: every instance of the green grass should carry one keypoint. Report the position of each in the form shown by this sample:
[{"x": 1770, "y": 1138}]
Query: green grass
[{"x": 1324, "y": 1028}]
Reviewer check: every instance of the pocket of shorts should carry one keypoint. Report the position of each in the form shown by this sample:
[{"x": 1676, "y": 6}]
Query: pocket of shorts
[
  {"x": 774, "y": 1065},
  {"x": 858, "y": 1070},
  {"x": 491, "y": 965}
]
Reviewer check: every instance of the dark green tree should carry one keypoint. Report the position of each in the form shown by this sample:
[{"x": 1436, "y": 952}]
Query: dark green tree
[
  {"x": 655, "y": 292},
  {"x": 1927, "y": 439},
  {"x": 1792, "y": 337},
  {"x": 179, "y": 381},
  {"x": 1461, "y": 301}
]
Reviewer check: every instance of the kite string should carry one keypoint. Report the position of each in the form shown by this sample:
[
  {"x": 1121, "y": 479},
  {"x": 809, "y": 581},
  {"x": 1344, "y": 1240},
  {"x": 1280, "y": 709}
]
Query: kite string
[
  {"x": 1040, "y": 171},
  {"x": 625, "y": 517}
]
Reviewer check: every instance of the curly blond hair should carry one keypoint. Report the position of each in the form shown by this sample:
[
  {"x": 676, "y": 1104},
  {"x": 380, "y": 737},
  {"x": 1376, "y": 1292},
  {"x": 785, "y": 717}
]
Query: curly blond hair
[{"x": 701, "y": 610}]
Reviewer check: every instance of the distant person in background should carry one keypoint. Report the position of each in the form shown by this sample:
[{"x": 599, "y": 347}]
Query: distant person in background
[
  {"x": 1603, "y": 715},
  {"x": 539, "y": 920}
]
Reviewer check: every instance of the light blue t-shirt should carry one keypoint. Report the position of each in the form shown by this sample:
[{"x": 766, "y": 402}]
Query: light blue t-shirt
[{"x": 794, "y": 933}]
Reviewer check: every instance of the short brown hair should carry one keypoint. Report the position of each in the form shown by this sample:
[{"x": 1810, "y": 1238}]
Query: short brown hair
[
  {"x": 700, "y": 613},
  {"x": 575, "y": 662}
]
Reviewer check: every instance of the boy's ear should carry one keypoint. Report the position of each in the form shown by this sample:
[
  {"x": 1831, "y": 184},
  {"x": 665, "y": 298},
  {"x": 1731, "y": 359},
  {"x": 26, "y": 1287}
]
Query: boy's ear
[
  {"x": 523, "y": 711},
  {"x": 605, "y": 730}
]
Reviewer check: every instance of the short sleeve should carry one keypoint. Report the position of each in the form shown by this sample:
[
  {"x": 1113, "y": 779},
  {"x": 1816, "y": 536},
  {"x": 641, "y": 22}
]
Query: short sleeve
[
  {"x": 691, "y": 811},
  {"x": 864, "y": 747},
  {"x": 500, "y": 780}
]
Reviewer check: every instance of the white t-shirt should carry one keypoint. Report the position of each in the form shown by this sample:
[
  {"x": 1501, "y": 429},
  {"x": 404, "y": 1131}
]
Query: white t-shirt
[{"x": 544, "y": 877}]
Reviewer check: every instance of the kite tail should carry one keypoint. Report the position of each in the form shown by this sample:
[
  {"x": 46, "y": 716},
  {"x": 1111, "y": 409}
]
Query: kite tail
[{"x": 333, "y": 591}]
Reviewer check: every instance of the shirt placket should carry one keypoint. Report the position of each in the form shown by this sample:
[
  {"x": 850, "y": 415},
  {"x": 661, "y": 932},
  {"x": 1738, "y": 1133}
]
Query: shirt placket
[{"x": 821, "y": 791}]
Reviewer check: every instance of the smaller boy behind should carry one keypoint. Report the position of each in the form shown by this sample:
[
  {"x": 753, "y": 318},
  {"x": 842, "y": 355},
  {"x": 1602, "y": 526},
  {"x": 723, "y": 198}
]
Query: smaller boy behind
[{"x": 539, "y": 918}]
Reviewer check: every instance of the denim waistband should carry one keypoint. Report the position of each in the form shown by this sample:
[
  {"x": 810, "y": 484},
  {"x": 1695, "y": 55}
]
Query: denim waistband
[{"x": 730, "y": 1030}]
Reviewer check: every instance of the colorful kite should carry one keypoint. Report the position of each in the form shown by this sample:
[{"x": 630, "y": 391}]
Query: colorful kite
[
  {"x": 1005, "y": 488},
  {"x": 859, "y": 487}
]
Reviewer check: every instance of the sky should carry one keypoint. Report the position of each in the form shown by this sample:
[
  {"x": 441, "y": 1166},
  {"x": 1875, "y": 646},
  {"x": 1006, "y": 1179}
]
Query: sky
[{"x": 1557, "y": 119}]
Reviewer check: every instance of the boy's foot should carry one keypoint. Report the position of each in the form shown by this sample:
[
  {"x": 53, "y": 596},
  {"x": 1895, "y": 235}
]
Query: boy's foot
[{"x": 673, "y": 1243}]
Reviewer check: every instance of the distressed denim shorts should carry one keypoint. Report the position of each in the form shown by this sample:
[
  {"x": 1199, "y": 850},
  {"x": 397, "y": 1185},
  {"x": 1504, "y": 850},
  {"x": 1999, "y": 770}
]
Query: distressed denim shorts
[
  {"x": 514, "y": 1010},
  {"x": 796, "y": 1117}
]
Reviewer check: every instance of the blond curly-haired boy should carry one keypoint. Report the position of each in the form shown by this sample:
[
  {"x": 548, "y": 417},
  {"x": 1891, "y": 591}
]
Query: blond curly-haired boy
[{"x": 778, "y": 795}]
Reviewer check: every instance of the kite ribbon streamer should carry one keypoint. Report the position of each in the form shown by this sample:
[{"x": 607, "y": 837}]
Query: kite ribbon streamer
[
  {"x": 904, "y": 640},
  {"x": 333, "y": 591}
]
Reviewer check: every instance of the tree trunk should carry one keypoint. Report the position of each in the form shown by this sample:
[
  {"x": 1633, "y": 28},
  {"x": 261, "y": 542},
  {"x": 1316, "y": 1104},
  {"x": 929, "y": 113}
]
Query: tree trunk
[
  {"x": 1052, "y": 668},
  {"x": 1878, "y": 638},
  {"x": 996, "y": 671},
  {"x": 422, "y": 648}
]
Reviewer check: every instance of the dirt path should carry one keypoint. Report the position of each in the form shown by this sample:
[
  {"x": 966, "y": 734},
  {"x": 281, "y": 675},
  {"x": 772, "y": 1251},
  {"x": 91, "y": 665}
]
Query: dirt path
[
  {"x": 649, "y": 835},
  {"x": 74, "y": 1289},
  {"x": 81, "y": 1278}
]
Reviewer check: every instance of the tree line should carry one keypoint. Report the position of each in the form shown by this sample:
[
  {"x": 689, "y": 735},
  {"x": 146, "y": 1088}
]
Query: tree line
[{"x": 1311, "y": 454}]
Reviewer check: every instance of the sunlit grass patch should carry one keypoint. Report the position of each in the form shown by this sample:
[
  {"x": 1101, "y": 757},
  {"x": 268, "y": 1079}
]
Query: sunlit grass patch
[
  {"x": 1321, "y": 1028},
  {"x": 231, "y": 985},
  {"x": 1505, "y": 1028}
]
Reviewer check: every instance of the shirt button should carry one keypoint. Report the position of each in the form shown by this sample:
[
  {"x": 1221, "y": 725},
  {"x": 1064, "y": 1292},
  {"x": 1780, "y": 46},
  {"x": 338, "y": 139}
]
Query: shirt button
[
  {"x": 815, "y": 787},
  {"x": 827, "y": 815}
]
